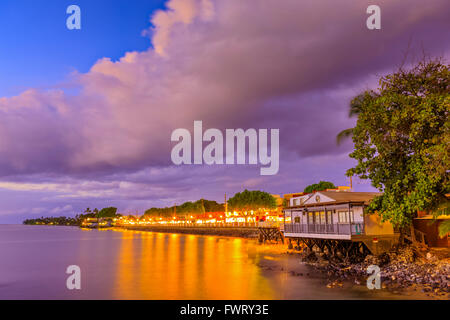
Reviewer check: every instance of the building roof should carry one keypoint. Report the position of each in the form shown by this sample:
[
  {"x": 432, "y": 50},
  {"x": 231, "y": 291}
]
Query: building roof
[
  {"x": 350, "y": 196},
  {"x": 336, "y": 197}
]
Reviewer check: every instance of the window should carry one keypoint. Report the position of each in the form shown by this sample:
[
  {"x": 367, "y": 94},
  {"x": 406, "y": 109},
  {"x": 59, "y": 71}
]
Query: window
[
  {"x": 344, "y": 217},
  {"x": 297, "y": 220},
  {"x": 311, "y": 218},
  {"x": 322, "y": 217},
  {"x": 329, "y": 217}
]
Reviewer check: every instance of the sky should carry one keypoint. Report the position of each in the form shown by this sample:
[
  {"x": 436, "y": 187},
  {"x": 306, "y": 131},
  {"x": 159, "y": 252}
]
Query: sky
[{"x": 86, "y": 115}]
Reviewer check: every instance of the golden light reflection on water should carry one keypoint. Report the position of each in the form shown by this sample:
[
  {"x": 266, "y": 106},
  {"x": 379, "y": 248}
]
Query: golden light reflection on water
[{"x": 172, "y": 266}]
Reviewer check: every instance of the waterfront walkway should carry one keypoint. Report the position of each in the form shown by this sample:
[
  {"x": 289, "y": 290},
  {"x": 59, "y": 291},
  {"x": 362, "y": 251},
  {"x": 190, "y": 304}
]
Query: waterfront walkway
[{"x": 242, "y": 232}]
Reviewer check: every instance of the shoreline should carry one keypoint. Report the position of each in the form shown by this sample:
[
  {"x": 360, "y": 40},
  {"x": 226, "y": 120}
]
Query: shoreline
[{"x": 405, "y": 271}]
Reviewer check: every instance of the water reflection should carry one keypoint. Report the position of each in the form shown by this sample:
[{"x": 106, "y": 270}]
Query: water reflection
[
  {"x": 118, "y": 264},
  {"x": 171, "y": 266}
]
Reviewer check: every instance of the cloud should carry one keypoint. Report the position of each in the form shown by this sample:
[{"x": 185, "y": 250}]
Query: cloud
[
  {"x": 178, "y": 12},
  {"x": 219, "y": 62},
  {"x": 292, "y": 65},
  {"x": 60, "y": 210}
]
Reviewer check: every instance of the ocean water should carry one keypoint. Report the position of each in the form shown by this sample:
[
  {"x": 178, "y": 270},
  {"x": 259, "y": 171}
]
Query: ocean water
[{"x": 119, "y": 264}]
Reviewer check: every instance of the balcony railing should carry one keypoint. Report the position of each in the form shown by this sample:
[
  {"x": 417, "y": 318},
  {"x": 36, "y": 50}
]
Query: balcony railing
[{"x": 348, "y": 229}]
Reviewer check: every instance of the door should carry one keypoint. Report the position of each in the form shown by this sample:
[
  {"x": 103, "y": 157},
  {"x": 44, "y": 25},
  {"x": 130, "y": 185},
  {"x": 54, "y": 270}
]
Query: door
[
  {"x": 311, "y": 222},
  {"x": 330, "y": 228}
]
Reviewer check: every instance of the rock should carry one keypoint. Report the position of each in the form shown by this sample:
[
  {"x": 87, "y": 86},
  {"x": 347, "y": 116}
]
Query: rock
[
  {"x": 311, "y": 257},
  {"x": 383, "y": 259},
  {"x": 370, "y": 259}
]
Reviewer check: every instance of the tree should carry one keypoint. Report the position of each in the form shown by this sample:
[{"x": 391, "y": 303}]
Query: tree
[
  {"x": 322, "y": 185},
  {"x": 355, "y": 109},
  {"x": 107, "y": 212},
  {"x": 251, "y": 200},
  {"x": 401, "y": 141},
  {"x": 213, "y": 206},
  {"x": 186, "y": 209}
]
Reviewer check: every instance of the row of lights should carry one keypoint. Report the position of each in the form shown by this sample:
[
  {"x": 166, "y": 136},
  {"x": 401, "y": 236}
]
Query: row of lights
[{"x": 230, "y": 217}]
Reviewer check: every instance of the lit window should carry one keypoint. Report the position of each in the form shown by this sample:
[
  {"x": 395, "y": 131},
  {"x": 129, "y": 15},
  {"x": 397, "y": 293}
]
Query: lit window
[{"x": 344, "y": 216}]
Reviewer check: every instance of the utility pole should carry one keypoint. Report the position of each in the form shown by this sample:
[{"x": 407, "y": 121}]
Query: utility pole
[
  {"x": 351, "y": 183},
  {"x": 226, "y": 204}
]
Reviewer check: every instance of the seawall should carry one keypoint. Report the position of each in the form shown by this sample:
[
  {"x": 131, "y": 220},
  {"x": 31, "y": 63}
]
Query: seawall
[{"x": 251, "y": 233}]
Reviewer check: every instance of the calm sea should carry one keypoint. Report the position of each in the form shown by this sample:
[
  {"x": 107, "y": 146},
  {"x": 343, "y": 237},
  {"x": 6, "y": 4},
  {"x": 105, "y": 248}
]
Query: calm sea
[{"x": 117, "y": 264}]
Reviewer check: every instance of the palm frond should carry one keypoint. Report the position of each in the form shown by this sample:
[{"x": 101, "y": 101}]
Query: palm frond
[{"x": 344, "y": 134}]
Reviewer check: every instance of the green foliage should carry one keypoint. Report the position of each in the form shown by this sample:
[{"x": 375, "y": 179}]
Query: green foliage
[
  {"x": 322, "y": 185},
  {"x": 401, "y": 141},
  {"x": 57, "y": 221},
  {"x": 107, "y": 212},
  {"x": 251, "y": 200},
  {"x": 188, "y": 208},
  {"x": 444, "y": 228},
  {"x": 159, "y": 212},
  {"x": 79, "y": 218},
  {"x": 443, "y": 210},
  {"x": 213, "y": 206}
]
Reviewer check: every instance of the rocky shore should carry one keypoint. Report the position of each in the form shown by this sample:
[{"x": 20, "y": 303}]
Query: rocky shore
[{"x": 408, "y": 268}]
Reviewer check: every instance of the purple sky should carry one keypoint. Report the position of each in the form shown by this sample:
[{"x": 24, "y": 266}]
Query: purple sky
[{"x": 102, "y": 138}]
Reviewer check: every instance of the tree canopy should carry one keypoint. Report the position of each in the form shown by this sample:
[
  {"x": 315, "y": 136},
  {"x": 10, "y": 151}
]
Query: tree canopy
[
  {"x": 322, "y": 185},
  {"x": 188, "y": 208},
  {"x": 401, "y": 141},
  {"x": 251, "y": 200},
  {"x": 107, "y": 212}
]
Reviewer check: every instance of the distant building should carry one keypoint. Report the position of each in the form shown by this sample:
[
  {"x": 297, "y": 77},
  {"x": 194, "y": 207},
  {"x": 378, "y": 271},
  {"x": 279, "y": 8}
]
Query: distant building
[
  {"x": 428, "y": 224},
  {"x": 288, "y": 196}
]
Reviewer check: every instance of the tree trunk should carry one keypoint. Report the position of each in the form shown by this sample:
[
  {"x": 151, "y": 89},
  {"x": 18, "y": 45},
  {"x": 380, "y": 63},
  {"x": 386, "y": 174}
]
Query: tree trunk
[
  {"x": 401, "y": 238},
  {"x": 413, "y": 234}
]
